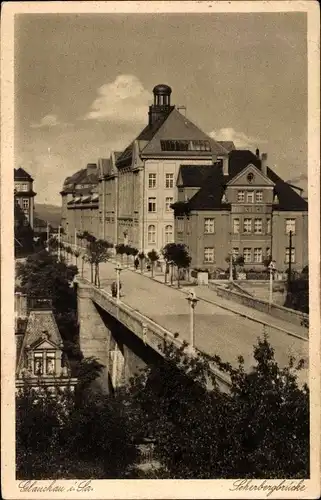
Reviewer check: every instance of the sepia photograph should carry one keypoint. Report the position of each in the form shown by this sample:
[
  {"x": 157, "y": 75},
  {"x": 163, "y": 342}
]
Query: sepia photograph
[{"x": 162, "y": 190}]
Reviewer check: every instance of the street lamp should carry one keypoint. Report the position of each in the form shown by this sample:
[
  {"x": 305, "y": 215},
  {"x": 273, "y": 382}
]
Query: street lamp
[
  {"x": 192, "y": 300},
  {"x": 271, "y": 269},
  {"x": 231, "y": 266},
  {"x": 118, "y": 269}
]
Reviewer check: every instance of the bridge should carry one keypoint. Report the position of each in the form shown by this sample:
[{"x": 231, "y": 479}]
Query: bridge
[{"x": 126, "y": 335}]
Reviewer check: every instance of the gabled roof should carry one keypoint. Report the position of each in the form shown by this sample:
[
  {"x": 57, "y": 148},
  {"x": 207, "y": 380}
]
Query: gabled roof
[
  {"x": 213, "y": 185},
  {"x": 193, "y": 175},
  {"x": 228, "y": 145},
  {"x": 288, "y": 198},
  {"x": 209, "y": 197},
  {"x": 125, "y": 158},
  {"x": 21, "y": 175},
  {"x": 82, "y": 177},
  {"x": 39, "y": 321},
  {"x": 178, "y": 127}
]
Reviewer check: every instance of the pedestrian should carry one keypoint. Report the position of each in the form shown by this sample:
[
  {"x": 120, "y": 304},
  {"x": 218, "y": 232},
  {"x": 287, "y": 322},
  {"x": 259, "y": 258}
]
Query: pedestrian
[{"x": 136, "y": 263}]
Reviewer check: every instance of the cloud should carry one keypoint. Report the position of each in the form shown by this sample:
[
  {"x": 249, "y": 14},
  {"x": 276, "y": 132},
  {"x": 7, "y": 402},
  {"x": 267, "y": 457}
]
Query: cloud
[
  {"x": 298, "y": 178},
  {"x": 240, "y": 139},
  {"x": 124, "y": 100},
  {"x": 47, "y": 121}
]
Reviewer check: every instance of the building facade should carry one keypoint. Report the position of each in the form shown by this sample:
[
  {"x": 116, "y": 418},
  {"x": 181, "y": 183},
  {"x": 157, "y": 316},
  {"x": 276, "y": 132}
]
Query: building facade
[
  {"x": 80, "y": 204},
  {"x": 40, "y": 359},
  {"x": 24, "y": 196},
  {"x": 138, "y": 185},
  {"x": 244, "y": 209}
]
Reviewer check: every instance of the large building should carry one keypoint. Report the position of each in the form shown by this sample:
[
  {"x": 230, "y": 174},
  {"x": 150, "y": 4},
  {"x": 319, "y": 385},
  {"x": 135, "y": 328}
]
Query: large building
[
  {"x": 243, "y": 208},
  {"x": 138, "y": 185},
  {"x": 234, "y": 202},
  {"x": 24, "y": 195}
]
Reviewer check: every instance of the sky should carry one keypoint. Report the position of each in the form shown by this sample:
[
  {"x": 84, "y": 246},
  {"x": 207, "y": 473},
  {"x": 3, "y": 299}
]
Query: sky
[{"x": 83, "y": 84}]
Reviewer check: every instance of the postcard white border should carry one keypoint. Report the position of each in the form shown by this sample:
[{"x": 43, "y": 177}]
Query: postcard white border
[{"x": 150, "y": 489}]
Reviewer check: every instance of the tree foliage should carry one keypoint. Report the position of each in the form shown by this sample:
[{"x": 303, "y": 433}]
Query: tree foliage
[
  {"x": 177, "y": 255},
  {"x": 260, "y": 430},
  {"x": 41, "y": 275},
  {"x": 72, "y": 436},
  {"x": 98, "y": 251},
  {"x": 153, "y": 257}
]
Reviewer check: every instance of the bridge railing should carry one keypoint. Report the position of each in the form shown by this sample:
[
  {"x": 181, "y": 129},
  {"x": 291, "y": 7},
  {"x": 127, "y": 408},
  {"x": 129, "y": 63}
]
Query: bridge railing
[{"x": 150, "y": 332}]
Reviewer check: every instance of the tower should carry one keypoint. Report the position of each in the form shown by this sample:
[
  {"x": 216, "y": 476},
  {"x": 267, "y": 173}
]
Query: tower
[{"x": 162, "y": 103}]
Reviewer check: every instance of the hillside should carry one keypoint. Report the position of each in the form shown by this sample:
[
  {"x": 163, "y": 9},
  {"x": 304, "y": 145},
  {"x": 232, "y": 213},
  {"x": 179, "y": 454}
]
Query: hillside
[{"x": 50, "y": 213}]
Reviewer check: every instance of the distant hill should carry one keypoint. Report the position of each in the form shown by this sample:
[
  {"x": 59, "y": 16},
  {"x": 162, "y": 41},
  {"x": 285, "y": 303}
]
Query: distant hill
[{"x": 50, "y": 213}]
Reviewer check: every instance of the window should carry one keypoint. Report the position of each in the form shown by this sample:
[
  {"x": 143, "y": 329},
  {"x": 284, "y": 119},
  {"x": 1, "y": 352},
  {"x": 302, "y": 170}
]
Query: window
[
  {"x": 168, "y": 234},
  {"x": 259, "y": 196},
  {"x": 24, "y": 187},
  {"x": 169, "y": 180},
  {"x": 50, "y": 363},
  {"x": 151, "y": 234},
  {"x": 185, "y": 145},
  {"x": 250, "y": 197},
  {"x": 268, "y": 226},
  {"x": 151, "y": 180},
  {"x": 247, "y": 254},
  {"x": 240, "y": 196},
  {"x": 268, "y": 252},
  {"x": 258, "y": 255},
  {"x": 209, "y": 226},
  {"x": 152, "y": 204},
  {"x": 168, "y": 203},
  {"x": 247, "y": 225},
  {"x": 209, "y": 254},
  {"x": 290, "y": 226},
  {"x": 287, "y": 255},
  {"x": 25, "y": 203},
  {"x": 235, "y": 252},
  {"x": 38, "y": 363},
  {"x": 258, "y": 226},
  {"x": 180, "y": 224},
  {"x": 236, "y": 226}
]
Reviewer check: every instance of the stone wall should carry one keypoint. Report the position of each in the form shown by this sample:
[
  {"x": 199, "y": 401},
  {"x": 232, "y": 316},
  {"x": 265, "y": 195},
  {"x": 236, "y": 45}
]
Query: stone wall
[{"x": 275, "y": 310}]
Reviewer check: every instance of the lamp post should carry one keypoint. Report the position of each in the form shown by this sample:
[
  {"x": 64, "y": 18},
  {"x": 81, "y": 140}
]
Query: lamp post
[
  {"x": 192, "y": 300},
  {"x": 47, "y": 237},
  {"x": 59, "y": 236},
  {"x": 231, "y": 266},
  {"x": 118, "y": 269},
  {"x": 271, "y": 269}
]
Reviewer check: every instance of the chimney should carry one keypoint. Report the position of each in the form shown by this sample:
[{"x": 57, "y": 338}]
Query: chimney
[
  {"x": 91, "y": 168},
  {"x": 264, "y": 163},
  {"x": 257, "y": 153},
  {"x": 225, "y": 165}
]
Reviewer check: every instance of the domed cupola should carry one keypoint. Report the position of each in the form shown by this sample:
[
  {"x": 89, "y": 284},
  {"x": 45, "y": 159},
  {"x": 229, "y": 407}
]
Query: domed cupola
[{"x": 162, "y": 103}]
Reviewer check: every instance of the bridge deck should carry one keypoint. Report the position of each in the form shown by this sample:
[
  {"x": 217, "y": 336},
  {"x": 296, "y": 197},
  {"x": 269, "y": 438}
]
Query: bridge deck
[{"x": 217, "y": 329}]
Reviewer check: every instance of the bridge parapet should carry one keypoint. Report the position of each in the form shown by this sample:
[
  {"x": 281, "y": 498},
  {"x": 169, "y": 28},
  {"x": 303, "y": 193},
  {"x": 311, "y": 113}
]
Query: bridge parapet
[{"x": 148, "y": 331}]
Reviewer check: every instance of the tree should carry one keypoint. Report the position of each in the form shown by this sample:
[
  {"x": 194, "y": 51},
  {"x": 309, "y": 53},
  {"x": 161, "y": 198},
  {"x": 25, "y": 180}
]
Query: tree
[
  {"x": 41, "y": 275},
  {"x": 128, "y": 252},
  {"x": 153, "y": 257},
  {"x": 76, "y": 254},
  {"x": 142, "y": 258},
  {"x": 120, "y": 250},
  {"x": 97, "y": 252},
  {"x": 260, "y": 430},
  {"x": 76, "y": 434},
  {"x": 177, "y": 255}
]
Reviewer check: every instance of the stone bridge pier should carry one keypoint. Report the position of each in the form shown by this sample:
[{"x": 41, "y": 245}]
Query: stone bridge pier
[{"x": 113, "y": 344}]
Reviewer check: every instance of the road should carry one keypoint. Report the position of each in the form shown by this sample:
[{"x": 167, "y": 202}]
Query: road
[{"x": 217, "y": 329}]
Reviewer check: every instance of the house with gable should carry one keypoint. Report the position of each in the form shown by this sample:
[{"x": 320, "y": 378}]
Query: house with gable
[
  {"x": 242, "y": 207},
  {"x": 40, "y": 358}
]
